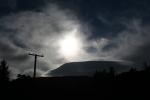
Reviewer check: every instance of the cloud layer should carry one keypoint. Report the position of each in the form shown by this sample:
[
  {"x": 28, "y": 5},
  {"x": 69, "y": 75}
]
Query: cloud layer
[
  {"x": 31, "y": 31},
  {"x": 39, "y": 31}
]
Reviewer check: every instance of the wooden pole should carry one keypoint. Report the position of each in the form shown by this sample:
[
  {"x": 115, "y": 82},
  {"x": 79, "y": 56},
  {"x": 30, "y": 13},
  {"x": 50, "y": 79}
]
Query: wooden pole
[{"x": 35, "y": 62}]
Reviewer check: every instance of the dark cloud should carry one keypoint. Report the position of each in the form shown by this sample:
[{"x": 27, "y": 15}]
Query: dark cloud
[
  {"x": 7, "y": 47},
  {"x": 7, "y": 6},
  {"x": 141, "y": 55}
]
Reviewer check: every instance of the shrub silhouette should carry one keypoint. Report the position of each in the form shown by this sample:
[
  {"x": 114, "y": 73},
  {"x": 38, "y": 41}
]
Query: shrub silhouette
[
  {"x": 4, "y": 71},
  {"x": 105, "y": 75},
  {"x": 23, "y": 77}
]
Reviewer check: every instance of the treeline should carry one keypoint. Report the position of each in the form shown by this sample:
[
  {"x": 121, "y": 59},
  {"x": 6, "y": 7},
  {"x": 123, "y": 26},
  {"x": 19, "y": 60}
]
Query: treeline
[
  {"x": 103, "y": 84},
  {"x": 132, "y": 74}
]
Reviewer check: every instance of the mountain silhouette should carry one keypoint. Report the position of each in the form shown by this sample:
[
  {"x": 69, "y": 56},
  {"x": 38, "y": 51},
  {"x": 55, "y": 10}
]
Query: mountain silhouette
[{"x": 88, "y": 68}]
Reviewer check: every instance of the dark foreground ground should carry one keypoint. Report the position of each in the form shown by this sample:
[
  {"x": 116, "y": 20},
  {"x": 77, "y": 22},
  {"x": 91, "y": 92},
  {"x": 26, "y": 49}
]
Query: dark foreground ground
[{"x": 76, "y": 88}]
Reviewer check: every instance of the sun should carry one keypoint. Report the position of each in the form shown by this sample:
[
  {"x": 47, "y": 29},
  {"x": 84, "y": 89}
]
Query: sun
[{"x": 69, "y": 46}]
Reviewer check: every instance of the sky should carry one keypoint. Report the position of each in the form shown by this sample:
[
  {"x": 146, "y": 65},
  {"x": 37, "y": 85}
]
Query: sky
[{"x": 101, "y": 30}]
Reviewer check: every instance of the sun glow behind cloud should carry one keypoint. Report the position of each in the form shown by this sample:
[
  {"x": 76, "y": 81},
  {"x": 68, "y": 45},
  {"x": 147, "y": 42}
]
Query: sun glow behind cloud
[{"x": 70, "y": 45}]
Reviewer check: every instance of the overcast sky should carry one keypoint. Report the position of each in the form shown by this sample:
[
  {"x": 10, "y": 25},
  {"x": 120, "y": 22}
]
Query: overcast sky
[{"x": 106, "y": 29}]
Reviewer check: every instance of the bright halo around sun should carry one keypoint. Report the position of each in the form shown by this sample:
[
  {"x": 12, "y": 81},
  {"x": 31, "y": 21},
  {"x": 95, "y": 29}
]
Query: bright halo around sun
[{"x": 70, "y": 46}]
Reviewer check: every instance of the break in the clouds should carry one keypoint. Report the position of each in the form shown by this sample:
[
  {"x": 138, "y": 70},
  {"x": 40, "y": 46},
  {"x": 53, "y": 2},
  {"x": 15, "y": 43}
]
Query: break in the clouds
[{"x": 41, "y": 32}]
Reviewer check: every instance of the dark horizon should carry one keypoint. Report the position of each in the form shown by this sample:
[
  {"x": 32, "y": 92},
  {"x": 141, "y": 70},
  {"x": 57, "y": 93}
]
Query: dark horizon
[{"x": 102, "y": 85}]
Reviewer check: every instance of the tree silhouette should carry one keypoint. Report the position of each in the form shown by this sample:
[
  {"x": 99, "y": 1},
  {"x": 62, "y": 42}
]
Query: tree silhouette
[
  {"x": 4, "y": 71},
  {"x": 146, "y": 66},
  {"x": 111, "y": 73},
  {"x": 132, "y": 70}
]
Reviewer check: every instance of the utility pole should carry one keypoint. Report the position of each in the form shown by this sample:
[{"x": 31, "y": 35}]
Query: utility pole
[{"x": 35, "y": 61}]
